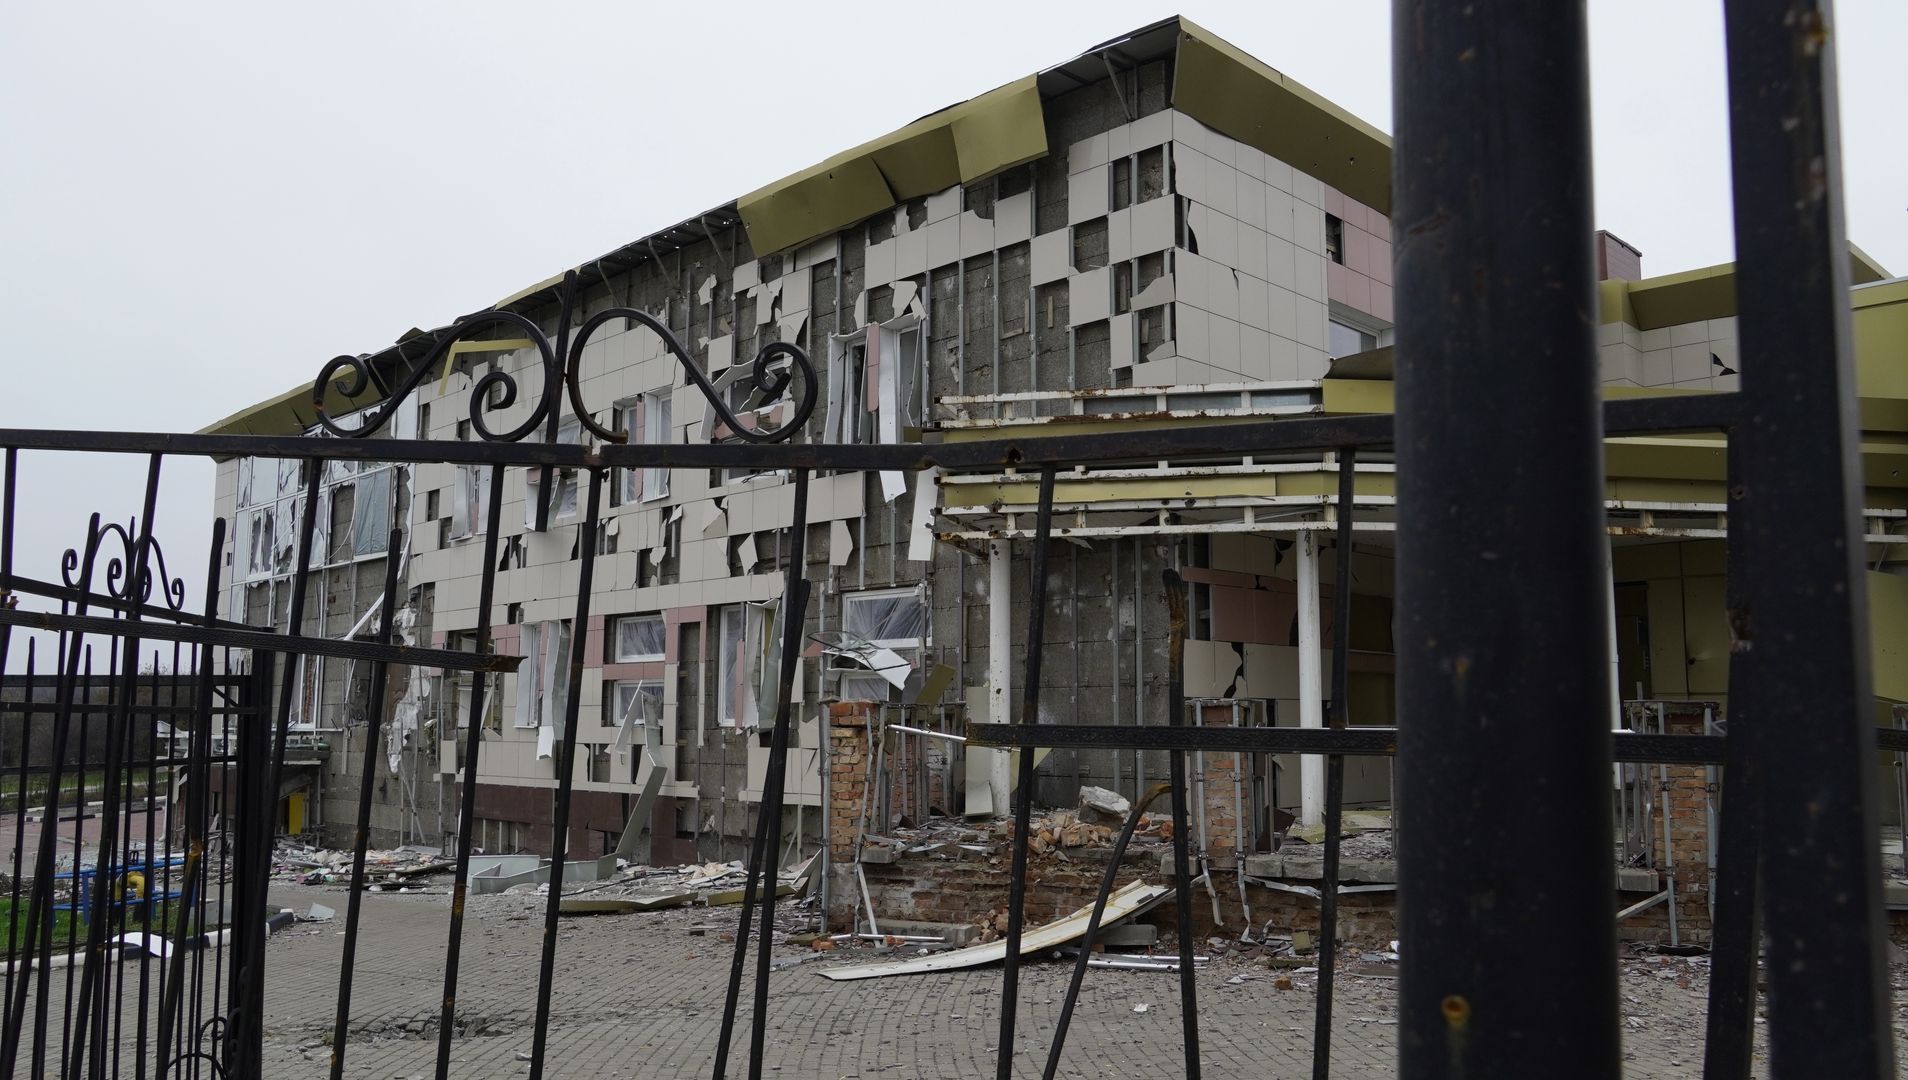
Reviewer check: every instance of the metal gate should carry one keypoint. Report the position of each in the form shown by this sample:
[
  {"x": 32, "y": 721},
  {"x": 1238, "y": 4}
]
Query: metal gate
[{"x": 1503, "y": 695}]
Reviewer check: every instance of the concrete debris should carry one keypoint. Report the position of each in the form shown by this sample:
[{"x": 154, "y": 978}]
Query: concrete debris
[
  {"x": 326, "y": 866},
  {"x": 1099, "y": 805}
]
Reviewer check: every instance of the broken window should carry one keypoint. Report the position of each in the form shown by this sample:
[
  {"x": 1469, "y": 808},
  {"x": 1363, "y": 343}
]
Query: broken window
[
  {"x": 739, "y": 661},
  {"x": 1334, "y": 239},
  {"x": 1344, "y": 339},
  {"x": 371, "y": 514},
  {"x": 874, "y": 376},
  {"x": 640, "y": 638},
  {"x": 257, "y": 481},
  {"x": 658, "y": 430},
  {"x": 638, "y": 701},
  {"x": 636, "y": 704},
  {"x": 470, "y": 502},
  {"x": 259, "y": 541},
  {"x": 543, "y": 680},
  {"x": 849, "y": 418},
  {"x": 563, "y": 498},
  {"x": 626, "y": 487},
  {"x": 888, "y": 618},
  {"x": 856, "y": 685},
  {"x": 647, "y": 420}
]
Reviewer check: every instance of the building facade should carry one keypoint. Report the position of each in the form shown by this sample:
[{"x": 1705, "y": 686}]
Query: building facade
[{"x": 1163, "y": 231}]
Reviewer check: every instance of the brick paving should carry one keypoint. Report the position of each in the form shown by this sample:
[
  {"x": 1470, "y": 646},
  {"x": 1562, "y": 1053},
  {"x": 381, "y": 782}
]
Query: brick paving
[{"x": 638, "y": 996}]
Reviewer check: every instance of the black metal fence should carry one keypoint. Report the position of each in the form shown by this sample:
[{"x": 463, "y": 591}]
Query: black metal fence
[{"x": 1503, "y": 742}]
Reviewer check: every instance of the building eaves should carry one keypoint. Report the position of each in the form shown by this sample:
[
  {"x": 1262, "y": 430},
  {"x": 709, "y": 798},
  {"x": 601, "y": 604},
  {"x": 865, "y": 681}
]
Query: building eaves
[{"x": 1213, "y": 81}]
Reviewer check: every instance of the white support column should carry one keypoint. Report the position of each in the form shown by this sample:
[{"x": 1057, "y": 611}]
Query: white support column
[
  {"x": 1609, "y": 593},
  {"x": 1000, "y": 678},
  {"x": 1616, "y": 688},
  {"x": 1311, "y": 679}
]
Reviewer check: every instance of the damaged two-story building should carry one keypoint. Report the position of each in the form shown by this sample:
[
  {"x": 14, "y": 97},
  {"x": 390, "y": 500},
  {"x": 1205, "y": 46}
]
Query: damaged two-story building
[{"x": 1161, "y": 231}]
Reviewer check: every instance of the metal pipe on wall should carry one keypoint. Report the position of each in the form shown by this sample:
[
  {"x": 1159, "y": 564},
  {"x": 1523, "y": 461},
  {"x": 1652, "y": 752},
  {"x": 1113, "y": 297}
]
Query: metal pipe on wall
[
  {"x": 1000, "y": 638},
  {"x": 1311, "y": 661},
  {"x": 1500, "y": 624}
]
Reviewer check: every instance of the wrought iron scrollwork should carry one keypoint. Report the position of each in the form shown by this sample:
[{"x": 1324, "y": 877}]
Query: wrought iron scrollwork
[
  {"x": 130, "y": 574},
  {"x": 772, "y": 375}
]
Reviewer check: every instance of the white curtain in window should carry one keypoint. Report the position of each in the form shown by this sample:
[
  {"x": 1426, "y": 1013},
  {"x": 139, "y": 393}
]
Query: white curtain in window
[
  {"x": 641, "y": 637},
  {"x": 895, "y": 618},
  {"x": 371, "y": 514},
  {"x": 470, "y": 501}
]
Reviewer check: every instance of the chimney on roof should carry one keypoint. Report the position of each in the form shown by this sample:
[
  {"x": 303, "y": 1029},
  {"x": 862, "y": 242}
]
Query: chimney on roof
[{"x": 1616, "y": 259}]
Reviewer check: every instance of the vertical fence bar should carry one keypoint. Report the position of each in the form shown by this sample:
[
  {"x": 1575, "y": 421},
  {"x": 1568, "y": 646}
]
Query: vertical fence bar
[
  {"x": 1803, "y": 627},
  {"x": 94, "y": 977},
  {"x": 769, "y": 828},
  {"x": 245, "y": 1033},
  {"x": 40, "y": 901},
  {"x": 198, "y": 772},
  {"x": 467, "y": 804},
  {"x": 1504, "y": 741},
  {"x": 767, "y": 840},
  {"x": 1023, "y": 798},
  {"x": 566, "y": 771},
  {"x": 241, "y": 1035},
  {"x": 1182, "y": 840},
  {"x": 1335, "y": 768},
  {"x": 367, "y": 781}
]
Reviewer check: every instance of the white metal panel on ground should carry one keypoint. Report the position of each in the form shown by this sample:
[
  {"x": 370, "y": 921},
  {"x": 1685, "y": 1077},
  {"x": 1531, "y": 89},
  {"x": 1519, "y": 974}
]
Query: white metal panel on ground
[{"x": 1136, "y": 897}]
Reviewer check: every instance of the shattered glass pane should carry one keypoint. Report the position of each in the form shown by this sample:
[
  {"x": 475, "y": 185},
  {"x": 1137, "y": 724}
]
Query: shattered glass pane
[
  {"x": 893, "y": 618},
  {"x": 470, "y": 500},
  {"x": 259, "y": 541},
  {"x": 640, "y": 637},
  {"x": 371, "y": 514},
  {"x": 860, "y": 686},
  {"x": 639, "y": 703}
]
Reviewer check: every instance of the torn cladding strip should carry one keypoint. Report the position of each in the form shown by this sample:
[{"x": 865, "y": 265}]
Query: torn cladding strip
[
  {"x": 1135, "y": 898},
  {"x": 921, "y": 531},
  {"x": 841, "y": 542},
  {"x": 883, "y": 662}
]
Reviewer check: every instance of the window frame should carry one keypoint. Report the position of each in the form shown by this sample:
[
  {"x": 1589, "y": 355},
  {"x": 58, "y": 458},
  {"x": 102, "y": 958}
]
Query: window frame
[
  {"x": 859, "y": 596},
  {"x": 616, "y": 638}
]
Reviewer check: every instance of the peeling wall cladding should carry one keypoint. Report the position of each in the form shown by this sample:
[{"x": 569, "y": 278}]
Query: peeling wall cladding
[{"x": 1123, "y": 258}]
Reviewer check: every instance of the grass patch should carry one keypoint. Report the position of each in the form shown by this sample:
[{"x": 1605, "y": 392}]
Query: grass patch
[{"x": 71, "y": 927}]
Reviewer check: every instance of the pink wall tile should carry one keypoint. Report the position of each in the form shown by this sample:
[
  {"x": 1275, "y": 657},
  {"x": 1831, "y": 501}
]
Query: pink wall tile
[
  {"x": 1358, "y": 293},
  {"x": 1381, "y": 259},
  {"x": 1381, "y": 303},
  {"x": 1335, "y": 201},
  {"x": 648, "y": 669},
  {"x": 1337, "y": 283},
  {"x": 1357, "y": 251}
]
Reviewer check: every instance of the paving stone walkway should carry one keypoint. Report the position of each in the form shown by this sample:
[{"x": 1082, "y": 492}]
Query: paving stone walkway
[{"x": 638, "y": 996}]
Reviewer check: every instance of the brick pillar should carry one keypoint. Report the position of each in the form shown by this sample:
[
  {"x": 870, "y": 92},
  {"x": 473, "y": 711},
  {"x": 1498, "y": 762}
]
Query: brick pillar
[
  {"x": 1216, "y": 799},
  {"x": 849, "y": 763},
  {"x": 1689, "y": 834}
]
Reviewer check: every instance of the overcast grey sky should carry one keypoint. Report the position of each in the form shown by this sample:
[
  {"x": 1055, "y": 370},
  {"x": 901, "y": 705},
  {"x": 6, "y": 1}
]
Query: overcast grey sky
[{"x": 200, "y": 203}]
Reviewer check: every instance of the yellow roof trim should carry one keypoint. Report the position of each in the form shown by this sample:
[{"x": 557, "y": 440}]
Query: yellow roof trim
[
  {"x": 1863, "y": 268},
  {"x": 1707, "y": 292},
  {"x": 971, "y": 141},
  {"x": 290, "y": 413},
  {"x": 1238, "y": 95},
  {"x": 546, "y": 283},
  {"x": 1691, "y": 296}
]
